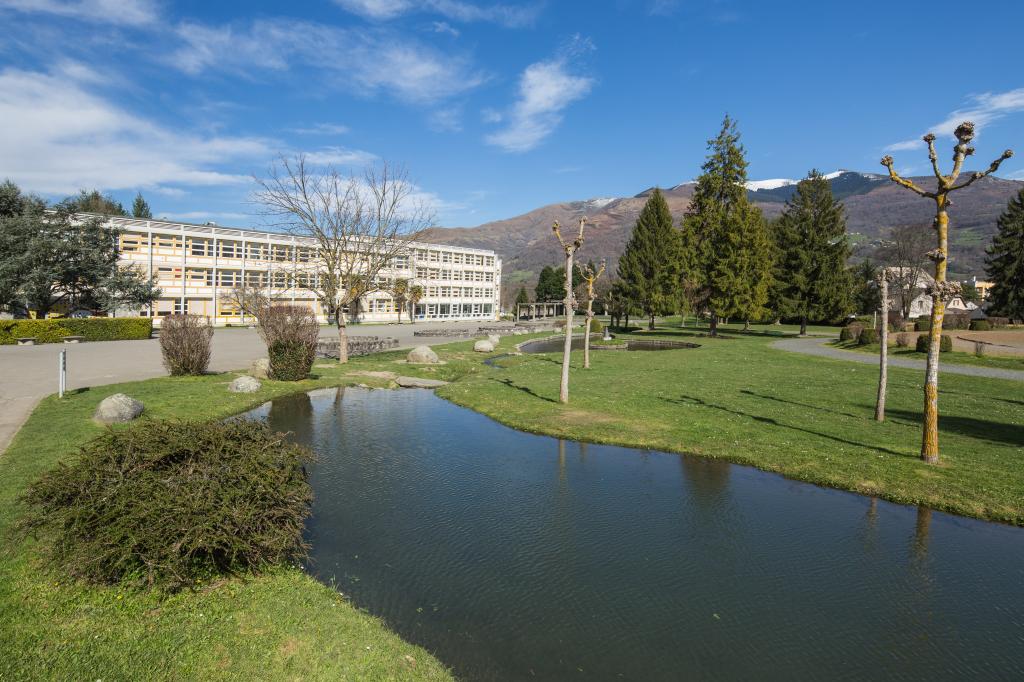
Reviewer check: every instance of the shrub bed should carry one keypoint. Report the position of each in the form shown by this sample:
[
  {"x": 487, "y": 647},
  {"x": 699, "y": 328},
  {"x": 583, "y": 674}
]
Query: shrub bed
[
  {"x": 945, "y": 344},
  {"x": 867, "y": 337},
  {"x": 167, "y": 503},
  {"x": 981, "y": 325},
  {"x": 956, "y": 321},
  {"x": 999, "y": 322},
  {"x": 92, "y": 329}
]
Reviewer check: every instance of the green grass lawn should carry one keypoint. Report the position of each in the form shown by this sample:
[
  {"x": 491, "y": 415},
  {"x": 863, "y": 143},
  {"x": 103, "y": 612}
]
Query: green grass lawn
[
  {"x": 952, "y": 357},
  {"x": 283, "y": 625}
]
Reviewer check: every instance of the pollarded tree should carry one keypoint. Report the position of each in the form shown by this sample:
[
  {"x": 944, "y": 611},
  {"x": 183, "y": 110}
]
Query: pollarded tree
[
  {"x": 649, "y": 266},
  {"x": 719, "y": 221},
  {"x": 1005, "y": 261},
  {"x": 813, "y": 282},
  {"x": 941, "y": 291},
  {"x": 569, "y": 248},
  {"x": 590, "y": 276}
]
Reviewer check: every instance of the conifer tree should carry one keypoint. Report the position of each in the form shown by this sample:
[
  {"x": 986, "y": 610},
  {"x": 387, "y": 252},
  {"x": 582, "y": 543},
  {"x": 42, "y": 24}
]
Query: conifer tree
[
  {"x": 549, "y": 284},
  {"x": 813, "y": 282},
  {"x": 730, "y": 270},
  {"x": 649, "y": 265},
  {"x": 140, "y": 209},
  {"x": 522, "y": 298},
  {"x": 1005, "y": 261}
]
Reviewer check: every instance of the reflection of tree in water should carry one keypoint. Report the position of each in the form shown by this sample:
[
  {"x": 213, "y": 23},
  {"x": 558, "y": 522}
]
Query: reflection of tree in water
[
  {"x": 920, "y": 544},
  {"x": 293, "y": 414},
  {"x": 707, "y": 479}
]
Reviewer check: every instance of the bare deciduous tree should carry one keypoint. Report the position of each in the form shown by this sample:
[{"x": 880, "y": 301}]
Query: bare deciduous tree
[
  {"x": 570, "y": 248},
  {"x": 590, "y": 275},
  {"x": 358, "y": 224},
  {"x": 941, "y": 291},
  {"x": 884, "y": 277},
  {"x": 906, "y": 251}
]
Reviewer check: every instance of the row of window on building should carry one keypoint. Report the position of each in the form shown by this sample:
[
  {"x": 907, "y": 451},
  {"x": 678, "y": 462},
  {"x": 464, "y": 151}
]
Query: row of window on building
[
  {"x": 380, "y": 306},
  {"x": 283, "y": 279},
  {"x": 200, "y": 247}
]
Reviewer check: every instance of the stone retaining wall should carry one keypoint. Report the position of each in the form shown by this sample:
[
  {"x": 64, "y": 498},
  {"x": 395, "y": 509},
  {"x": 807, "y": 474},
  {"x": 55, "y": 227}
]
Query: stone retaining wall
[{"x": 357, "y": 345}]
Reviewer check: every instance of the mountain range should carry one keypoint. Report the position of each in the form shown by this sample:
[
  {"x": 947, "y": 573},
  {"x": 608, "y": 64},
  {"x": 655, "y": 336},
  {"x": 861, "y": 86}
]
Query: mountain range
[{"x": 874, "y": 207}]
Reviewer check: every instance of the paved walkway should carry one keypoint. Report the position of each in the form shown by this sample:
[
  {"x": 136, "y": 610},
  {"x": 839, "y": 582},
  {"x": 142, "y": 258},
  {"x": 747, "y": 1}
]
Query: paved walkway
[
  {"x": 815, "y": 346},
  {"x": 29, "y": 373}
]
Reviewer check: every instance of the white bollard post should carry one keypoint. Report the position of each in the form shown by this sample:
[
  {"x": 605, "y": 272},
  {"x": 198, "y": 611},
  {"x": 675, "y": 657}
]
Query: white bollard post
[{"x": 62, "y": 372}]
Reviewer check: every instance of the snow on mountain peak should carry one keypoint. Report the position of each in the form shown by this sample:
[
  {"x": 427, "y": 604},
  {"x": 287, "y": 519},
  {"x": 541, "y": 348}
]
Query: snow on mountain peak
[{"x": 600, "y": 202}]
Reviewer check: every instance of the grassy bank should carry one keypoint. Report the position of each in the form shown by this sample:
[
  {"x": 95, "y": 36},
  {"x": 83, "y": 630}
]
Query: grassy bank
[
  {"x": 283, "y": 625},
  {"x": 740, "y": 399},
  {"x": 952, "y": 357}
]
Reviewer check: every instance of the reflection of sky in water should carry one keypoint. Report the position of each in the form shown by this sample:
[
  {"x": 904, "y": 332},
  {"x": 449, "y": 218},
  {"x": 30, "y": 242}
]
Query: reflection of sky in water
[{"x": 512, "y": 555}]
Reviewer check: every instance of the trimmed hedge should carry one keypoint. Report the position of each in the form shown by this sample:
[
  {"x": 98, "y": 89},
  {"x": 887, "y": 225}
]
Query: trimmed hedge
[
  {"x": 922, "y": 324},
  {"x": 945, "y": 344},
  {"x": 999, "y": 322},
  {"x": 867, "y": 337},
  {"x": 91, "y": 329},
  {"x": 290, "y": 360},
  {"x": 851, "y": 332},
  {"x": 981, "y": 325},
  {"x": 957, "y": 321}
]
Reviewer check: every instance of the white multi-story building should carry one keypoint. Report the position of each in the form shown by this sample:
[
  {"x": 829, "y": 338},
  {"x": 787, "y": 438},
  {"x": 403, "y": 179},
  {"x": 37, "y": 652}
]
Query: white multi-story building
[{"x": 196, "y": 266}]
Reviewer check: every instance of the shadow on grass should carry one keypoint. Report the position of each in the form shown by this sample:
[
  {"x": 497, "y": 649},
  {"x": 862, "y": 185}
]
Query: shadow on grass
[
  {"x": 805, "y": 405},
  {"x": 982, "y": 429},
  {"x": 690, "y": 400},
  {"x": 524, "y": 389}
]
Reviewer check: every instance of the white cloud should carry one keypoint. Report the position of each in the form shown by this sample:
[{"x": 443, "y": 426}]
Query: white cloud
[
  {"x": 982, "y": 110},
  {"x": 445, "y": 27},
  {"x": 366, "y": 61},
  {"x": 121, "y": 12},
  {"x": 339, "y": 156},
  {"x": 57, "y": 137},
  {"x": 321, "y": 129},
  {"x": 446, "y": 120},
  {"x": 491, "y": 115},
  {"x": 382, "y": 10},
  {"x": 545, "y": 90}
]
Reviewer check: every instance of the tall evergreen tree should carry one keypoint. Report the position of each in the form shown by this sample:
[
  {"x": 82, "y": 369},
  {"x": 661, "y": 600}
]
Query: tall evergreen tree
[
  {"x": 1005, "y": 261},
  {"x": 140, "y": 209},
  {"x": 813, "y": 282},
  {"x": 522, "y": 298},
  {"x": 726, "y": 234},
  {"x": 649, "y": 265},
  {"x": 549, "y": 285},
  {"x": 94, "y": 202}
]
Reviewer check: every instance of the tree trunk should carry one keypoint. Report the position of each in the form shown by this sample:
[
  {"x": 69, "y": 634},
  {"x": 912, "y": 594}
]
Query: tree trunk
[
  {"x": 650, "y": 324},
  {"x": 746, "y": 325},
  {"x": 563, "y": 388},
  {"x": 930, "y": 434},
  {"x": 883, "y": 352},
  {"x": 803, "y": 325},
  {"x": 339, "y": 317},
  {"x": 586, "y": 336},
  {"x": 627, "y": 322},
  {"x": 714, "y": 325}
]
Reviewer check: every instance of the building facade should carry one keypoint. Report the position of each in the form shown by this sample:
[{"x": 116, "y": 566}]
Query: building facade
[{"x": 197, "y": 266}]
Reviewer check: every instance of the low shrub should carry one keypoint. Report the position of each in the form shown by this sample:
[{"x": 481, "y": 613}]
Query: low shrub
[
  {"x": 999, "y": 322},
  {"x": 945, "y": 343},
  {"x": 185, "y": 344},
  {"x": 922, "y": 324},
  {"x": 895, "y": 318},
  {"x": 91, "y": 329},
  {"x": 981, "y": 325},
  {"x": 290, "y": 361},
  {"x": 979, "y": 348},
  {"x": 595, "y": 326},
  {"x": 956, "y": 321},
  {"x": 903, "y": 340},
  {"x": 867, "y": 337},
  {"x": 167, "y": 503},
  {"x": 851, "y": 332}
]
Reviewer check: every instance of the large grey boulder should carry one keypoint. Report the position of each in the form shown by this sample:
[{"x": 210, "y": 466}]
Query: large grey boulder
[
  {"x": 416, "y": 382},
  {"x": 117, "y": 409},
  {"x": 260, "y": 368},
  {"x": 483, "y": 346},
  {"x": 244, "y": 384},
  {"x": 423, "y": 355}
]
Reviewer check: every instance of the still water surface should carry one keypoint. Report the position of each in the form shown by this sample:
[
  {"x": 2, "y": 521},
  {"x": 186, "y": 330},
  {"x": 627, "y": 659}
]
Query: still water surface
[{"x": 516, "y": 556}]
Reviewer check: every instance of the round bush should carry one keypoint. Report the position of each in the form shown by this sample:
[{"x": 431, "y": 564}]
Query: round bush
[
  {"x": 981, "y": 325},
  {"x": 166, "y": 503},
  {"x": 867, "y": 336},
  {"x": 945, "y": 343},
  {"x": 851, "y": 332},
  {"x": 903, "y": 340},
  {"x": 185, "y": 344},
  {"x": 595, "y": 326},
  {"x": 922, "y": 324}
]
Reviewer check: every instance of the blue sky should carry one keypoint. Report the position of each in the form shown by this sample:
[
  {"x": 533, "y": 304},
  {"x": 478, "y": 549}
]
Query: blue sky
[{"x": 495, "y": 108}]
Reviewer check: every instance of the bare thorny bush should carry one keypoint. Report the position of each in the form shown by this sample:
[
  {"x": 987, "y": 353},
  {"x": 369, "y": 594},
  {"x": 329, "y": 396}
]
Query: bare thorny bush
[
  {"x": 290, "y": 331},
  {"x": 185, "y": 344}
]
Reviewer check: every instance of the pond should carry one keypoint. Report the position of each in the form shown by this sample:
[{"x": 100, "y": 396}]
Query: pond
[
  {"x": 516, "y": 556},
  {"x": 555, "y": 345}
]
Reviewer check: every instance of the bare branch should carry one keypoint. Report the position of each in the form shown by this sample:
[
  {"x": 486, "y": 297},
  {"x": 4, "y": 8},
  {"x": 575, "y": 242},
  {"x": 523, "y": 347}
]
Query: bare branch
[
  {"x": 899, "y": 180},
  {"x": 993, "y": 167},
  {"x": 932, "y": 156}
]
